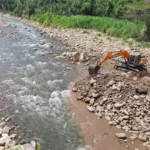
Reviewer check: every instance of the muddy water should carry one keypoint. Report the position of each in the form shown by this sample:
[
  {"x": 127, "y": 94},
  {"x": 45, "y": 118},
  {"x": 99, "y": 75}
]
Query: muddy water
[{"x": 37, "y": 85}]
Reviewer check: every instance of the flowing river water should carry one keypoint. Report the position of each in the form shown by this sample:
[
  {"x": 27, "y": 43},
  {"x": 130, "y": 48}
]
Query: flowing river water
[{"x": 37, "y": 84}]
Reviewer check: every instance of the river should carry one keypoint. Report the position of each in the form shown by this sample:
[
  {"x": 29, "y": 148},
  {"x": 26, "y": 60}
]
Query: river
[{"x": 37, "y": 85}]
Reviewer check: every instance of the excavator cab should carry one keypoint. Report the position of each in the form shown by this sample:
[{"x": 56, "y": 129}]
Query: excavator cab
[{"x": 134, "y": 59}]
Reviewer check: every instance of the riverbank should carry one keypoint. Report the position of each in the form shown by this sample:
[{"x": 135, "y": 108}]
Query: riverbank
[
  {"x": 92, "y": 44},
  {"x": 91, "y": 48},
  {"x": 111, "y": 108}
]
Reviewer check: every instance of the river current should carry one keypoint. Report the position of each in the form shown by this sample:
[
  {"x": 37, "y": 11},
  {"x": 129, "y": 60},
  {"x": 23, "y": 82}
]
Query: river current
[{"x": 38, "y": 86}]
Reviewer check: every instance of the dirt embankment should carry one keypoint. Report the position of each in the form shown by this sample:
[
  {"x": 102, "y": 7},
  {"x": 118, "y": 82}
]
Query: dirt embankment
[{"x": 123, "y": 100}]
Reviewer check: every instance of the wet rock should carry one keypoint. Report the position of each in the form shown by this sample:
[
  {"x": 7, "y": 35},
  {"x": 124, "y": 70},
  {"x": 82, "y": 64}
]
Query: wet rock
[
  {"x": 121, "y": 135},
  {"x": 108, "y": 118},
  {"x": 133, "y": 137},
  {"x": 141, "y": 90},
  {"x": 2, "y": 123},
  {"x": 87, "y": 100},
  {"x": 27, "y": 147},
  {"x": 146, "y": 143},
  {"x": 99, "y": 115},
  {"x": 17, "y": 147},
  {"x": 74, "y": 89},
  {"x": 3, "y": 140},
  {"x": 42, "y": 43},
  {"x": 89, "y": 108},
  {"x": 33, "y": 143},
  {"x": 92, "y": 101},
  {"x": 8, "y": 119},
  {"x": 35, "y": 49},
  {"x": 6, "y": 130},
  {"x": 96, "y": 104},
  {"x": 81, "y": 57},
  {"x": 80, "y": 97},
  {"x": 13, "y": 136},
  {"x": 99, "y": 108},
  {"x": 10, "y": 143},
  {"x": 142, "y": 138},
  {"x": 1, "y": 131}
]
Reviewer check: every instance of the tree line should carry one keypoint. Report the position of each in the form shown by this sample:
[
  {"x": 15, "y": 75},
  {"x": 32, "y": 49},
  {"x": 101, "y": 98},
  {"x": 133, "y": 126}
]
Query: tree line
[{"x": 109, "y": 8}]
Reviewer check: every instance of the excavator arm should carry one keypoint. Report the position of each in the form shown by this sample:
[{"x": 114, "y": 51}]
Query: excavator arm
[{"x": 110, "y": 55}]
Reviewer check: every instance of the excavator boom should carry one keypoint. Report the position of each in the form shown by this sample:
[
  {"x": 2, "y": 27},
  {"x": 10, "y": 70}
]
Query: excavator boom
[{"x": 110, "y": 55}]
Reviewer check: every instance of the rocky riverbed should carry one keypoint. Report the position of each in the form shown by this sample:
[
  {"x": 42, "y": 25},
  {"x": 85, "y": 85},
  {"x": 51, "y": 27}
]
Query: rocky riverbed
[
  {"x": 12, "y": 137},
  {"x": 122, "y": 99}
]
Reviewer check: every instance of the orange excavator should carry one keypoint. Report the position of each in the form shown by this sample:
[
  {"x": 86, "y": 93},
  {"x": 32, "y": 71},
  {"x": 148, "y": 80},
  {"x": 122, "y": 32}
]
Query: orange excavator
[{"x": 134, "y": 62}]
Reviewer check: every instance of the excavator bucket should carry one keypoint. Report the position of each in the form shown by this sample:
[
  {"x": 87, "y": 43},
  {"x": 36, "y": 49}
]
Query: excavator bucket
[{"x": 93, "y": 69}]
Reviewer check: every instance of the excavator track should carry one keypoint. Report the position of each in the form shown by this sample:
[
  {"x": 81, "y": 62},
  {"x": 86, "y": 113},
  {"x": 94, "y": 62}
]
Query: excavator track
[{"x": 127, "y": 67}]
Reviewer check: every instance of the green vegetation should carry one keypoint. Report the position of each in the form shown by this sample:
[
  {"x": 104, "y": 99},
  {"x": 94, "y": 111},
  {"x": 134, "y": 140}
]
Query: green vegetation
[
  {"x": 121, "y": 18},
  {"x": 110, "y": 26}
]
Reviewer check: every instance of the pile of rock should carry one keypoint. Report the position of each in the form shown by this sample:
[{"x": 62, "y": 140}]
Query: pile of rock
[
  {"x": 8, "y": 140},
  {"x": 75, "y": 57},
  {"x": 122, "y": 98}
]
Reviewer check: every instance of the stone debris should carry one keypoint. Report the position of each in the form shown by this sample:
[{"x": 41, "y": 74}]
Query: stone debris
[
  {"x": 124, "y": 102},
  {"x": 121, "y": 135},
  {"x": 9, "y": 140},
  {"x": 89, "y": 108}
]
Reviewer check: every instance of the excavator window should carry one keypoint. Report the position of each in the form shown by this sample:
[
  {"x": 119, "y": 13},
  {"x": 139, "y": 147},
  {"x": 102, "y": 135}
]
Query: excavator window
[{"x": 134, "y": 59}]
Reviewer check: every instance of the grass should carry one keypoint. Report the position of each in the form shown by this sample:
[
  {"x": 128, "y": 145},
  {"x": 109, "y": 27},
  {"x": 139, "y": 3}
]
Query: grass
[
  {"x": 85, "y": 32},
  {"x": 110, "y": 26}
]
